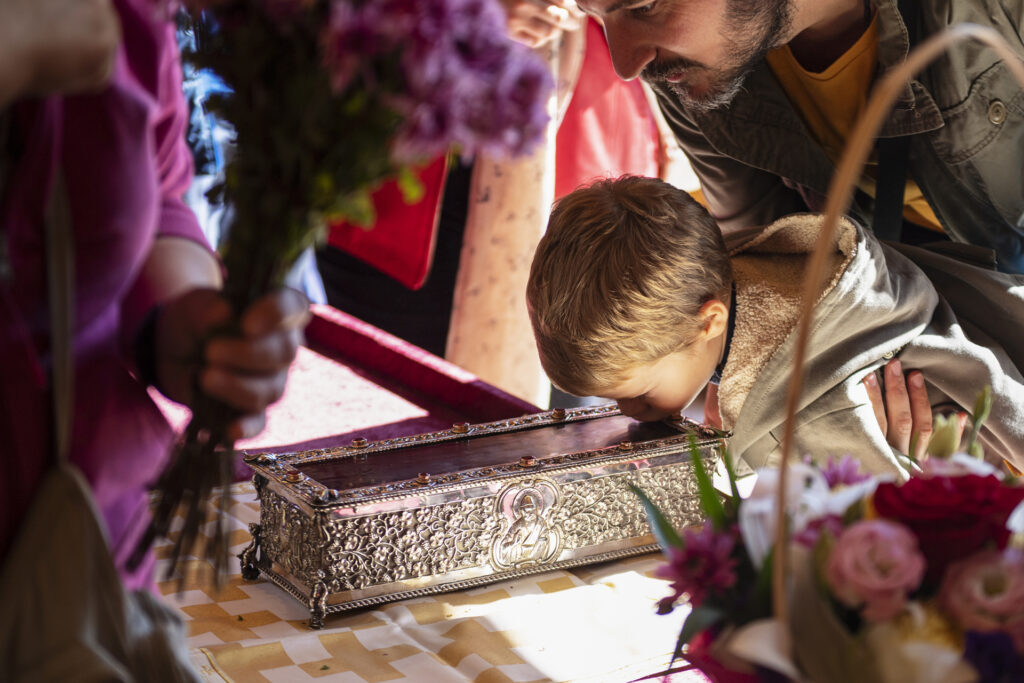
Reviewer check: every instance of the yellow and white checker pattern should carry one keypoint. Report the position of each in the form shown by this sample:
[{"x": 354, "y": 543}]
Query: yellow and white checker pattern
[{"x": 590, "y": 625}]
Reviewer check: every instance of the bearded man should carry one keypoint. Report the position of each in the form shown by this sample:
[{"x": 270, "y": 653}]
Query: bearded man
[{"x": 762, "y": 95}]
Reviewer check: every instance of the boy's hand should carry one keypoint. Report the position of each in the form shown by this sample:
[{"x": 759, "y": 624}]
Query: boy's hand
[{"x": 904, "y": 410}]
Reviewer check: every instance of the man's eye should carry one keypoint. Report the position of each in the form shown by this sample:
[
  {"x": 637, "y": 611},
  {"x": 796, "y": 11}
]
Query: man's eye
[{"x": 643, "y": 9}]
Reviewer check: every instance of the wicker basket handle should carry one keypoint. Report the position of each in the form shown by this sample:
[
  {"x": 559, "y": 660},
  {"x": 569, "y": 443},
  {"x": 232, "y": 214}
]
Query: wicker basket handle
[{"x": 840, "y": 191}]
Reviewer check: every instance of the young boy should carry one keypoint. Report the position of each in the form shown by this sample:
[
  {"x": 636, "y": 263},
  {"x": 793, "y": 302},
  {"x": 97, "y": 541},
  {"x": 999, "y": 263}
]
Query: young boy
[{"x": 634, "y": 297}]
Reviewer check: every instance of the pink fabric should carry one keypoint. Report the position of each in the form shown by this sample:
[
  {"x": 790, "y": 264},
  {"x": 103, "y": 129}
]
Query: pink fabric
[
  {"x": 608, "y": 128},
  {"x": 126, "y": 165}
]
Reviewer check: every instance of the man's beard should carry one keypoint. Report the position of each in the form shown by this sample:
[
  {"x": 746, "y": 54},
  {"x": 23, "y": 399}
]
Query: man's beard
[{"x": 766, "y": 22}]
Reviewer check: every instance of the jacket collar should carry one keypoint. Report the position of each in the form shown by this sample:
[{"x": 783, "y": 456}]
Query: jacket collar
[{"x": 762, "y": 129}]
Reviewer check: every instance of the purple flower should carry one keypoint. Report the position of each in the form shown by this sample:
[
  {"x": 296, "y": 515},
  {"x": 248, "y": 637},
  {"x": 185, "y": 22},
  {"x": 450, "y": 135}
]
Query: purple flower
[
  {"x": 844, "y": 472},
  {"x": 703, "y": 565},
  {"x": 357, "y": 34},
  {"x": 993, "y": 656},
  {"x": 810, "y": 534},
  {"x": 874, "y": 565},
  {"x": 463, "y": 82}
]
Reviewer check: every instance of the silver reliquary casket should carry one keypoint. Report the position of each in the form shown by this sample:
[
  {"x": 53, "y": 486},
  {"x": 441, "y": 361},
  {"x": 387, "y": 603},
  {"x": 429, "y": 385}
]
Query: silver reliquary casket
[{"x": 373, "y": 522}]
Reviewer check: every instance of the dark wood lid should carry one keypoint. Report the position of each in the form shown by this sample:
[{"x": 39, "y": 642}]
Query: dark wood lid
[{"x": 480, "y": 451}]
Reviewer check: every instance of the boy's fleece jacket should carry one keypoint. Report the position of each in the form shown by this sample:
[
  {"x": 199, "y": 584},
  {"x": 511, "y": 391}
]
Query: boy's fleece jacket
[{"x": 877, "y": 303}]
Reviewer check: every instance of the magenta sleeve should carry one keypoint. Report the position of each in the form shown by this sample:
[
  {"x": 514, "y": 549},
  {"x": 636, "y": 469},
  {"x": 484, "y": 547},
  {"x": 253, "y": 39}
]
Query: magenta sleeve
[{"x": 173, "y": 157}]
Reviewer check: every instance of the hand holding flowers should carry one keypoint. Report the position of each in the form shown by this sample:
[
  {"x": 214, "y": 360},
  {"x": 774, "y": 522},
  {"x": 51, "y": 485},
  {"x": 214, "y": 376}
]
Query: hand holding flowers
[{"x": 327, "y": 99}]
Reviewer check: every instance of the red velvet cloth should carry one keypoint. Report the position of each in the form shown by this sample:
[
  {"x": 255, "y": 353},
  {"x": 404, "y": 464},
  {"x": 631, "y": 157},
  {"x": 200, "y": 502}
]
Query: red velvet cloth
[
  {"x": 401, "y": 242},
  {"x": 608, "y": 129}
]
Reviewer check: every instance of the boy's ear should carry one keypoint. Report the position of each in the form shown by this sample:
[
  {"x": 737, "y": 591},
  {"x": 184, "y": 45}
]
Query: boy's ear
[{"x": 714, "y": 316}]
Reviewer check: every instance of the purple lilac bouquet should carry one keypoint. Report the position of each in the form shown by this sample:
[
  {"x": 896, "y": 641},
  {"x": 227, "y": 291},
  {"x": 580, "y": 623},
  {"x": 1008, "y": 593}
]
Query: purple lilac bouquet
[
  {"x": 327, "y": 99},
  {"x": 919, "y": 581},
  {"x": 464, "y": 83}
]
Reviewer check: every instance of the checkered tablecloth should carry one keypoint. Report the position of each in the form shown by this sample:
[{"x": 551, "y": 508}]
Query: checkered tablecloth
[{"x": 589, "y": 624}]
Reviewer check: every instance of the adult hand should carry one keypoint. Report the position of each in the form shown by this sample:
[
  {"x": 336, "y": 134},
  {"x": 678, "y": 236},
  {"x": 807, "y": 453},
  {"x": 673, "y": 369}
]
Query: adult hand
[
  {"x": 904, "y": 412},
  {"x": 535, "y": 22},
  {"x": 246, "y": 372},
  {"x": 56, "y": 46}
]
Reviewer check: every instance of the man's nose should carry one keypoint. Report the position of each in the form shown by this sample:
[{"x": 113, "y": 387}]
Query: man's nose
[{"x": 629, "y": 52}]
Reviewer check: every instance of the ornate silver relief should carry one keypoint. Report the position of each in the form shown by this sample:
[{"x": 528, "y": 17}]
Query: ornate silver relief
[
  {"x": 466, "y": 528},
  {"x": 527, "y": 533}
]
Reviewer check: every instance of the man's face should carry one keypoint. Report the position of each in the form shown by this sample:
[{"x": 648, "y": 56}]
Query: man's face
[{"x": 699, "y": 49}]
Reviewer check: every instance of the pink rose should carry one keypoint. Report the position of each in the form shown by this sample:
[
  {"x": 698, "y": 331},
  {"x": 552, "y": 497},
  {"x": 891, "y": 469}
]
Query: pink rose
[
  {"x": 875, "y": 564},
  {"x": 985, "y": 592}
]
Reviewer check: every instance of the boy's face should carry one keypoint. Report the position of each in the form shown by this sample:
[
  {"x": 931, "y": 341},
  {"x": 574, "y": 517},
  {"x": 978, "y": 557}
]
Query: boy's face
[{"x": 666, "y": 386}]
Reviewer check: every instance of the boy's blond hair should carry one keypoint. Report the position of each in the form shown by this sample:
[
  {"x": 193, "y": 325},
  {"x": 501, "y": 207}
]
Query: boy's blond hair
[{"x": 619, "y": 278}]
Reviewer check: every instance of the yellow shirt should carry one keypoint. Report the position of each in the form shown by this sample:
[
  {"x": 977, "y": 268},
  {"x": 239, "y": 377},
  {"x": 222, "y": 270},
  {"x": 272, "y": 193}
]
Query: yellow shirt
[{"x": 830, "y": 103}]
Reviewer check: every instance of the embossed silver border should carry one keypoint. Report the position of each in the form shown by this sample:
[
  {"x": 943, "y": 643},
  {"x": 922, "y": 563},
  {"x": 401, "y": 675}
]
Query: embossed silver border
[
  {"x": 279, "y": 478},
  {"x": 287, "y": 480},
  {"x": 307, "y": 599}
]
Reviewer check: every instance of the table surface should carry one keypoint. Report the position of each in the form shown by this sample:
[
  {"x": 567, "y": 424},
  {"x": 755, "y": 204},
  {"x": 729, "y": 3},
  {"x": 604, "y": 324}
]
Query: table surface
[{"x": 587, "y": 624}]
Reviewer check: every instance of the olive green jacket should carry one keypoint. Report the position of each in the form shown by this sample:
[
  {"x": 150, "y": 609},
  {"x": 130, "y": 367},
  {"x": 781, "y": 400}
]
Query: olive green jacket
[
  {"x": 757, "y": 161},
  {"x": 880, "y": 302}
]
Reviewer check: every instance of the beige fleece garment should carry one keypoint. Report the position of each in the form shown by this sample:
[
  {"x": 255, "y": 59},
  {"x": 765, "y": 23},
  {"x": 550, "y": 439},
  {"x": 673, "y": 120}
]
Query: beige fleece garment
[{"x": 769, "y": 273}]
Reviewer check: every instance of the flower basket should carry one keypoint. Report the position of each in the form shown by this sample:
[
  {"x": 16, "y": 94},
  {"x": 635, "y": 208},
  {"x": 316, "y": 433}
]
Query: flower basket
[{"x": 825, "y": 575}]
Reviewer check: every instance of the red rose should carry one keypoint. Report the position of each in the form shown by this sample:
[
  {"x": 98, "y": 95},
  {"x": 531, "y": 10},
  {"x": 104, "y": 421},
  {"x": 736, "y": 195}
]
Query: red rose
[{"x": 952, "y": 517}]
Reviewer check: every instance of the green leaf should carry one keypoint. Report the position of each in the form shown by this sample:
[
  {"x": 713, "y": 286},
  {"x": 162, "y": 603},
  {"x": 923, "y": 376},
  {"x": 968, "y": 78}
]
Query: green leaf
[
  {"x": 912, "y": 448},
  {"x": 983, "y": 405},
  {"x": 819, "y": 556},
  {"x": 410, "y": 185},
  {"x": 357, "y": 207},
  {"x": 982, "y": 408},
  {"x": 763, "y": 584},
  {"x": 664, "y": 532},
  {"x": 709, "y": 498},
  {"x": 945, "y": 439},
  {"x": 730, "y": 471},
  {"x": 700, "y": 619}
]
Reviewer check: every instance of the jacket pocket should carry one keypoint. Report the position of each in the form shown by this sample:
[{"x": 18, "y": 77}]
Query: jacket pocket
[{"x": 983, "y": 137}]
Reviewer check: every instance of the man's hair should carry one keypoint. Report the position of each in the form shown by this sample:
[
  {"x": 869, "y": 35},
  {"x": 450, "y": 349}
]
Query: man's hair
[{"x": 619, "y": 278}]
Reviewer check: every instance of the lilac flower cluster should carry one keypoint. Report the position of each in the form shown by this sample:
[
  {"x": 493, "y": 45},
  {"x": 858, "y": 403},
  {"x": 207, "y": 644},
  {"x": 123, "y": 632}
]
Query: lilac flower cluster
[
  {"x": 703, "y": 565},
  {"x": 464, "y": 82}
]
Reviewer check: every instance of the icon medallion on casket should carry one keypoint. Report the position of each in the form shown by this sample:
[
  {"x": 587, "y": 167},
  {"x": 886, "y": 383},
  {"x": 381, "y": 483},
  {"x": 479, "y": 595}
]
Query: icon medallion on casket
[{"x": 526, "y": 535}]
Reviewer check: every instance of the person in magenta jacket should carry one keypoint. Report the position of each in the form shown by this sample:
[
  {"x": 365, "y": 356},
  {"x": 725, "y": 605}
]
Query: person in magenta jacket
[{"x": 92, "y": 90}]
